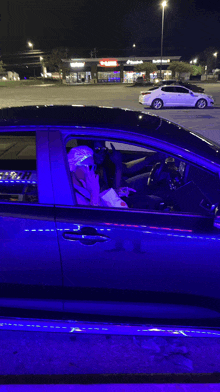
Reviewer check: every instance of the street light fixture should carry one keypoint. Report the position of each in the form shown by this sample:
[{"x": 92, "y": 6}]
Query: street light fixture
[
  {"x": 30, "y": 45},
  {"x": 193, "y": 61},
  {"x": 164, "y": 3},
  {"x": 215, "y": 55}
]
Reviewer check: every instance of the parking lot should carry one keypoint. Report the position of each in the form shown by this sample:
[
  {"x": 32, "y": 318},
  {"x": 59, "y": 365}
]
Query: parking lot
[
  {"x": 204, "y": 121},
  {"x": 47, "y": 353}
]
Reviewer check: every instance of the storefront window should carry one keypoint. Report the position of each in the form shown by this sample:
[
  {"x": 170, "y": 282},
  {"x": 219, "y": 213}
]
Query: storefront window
[
  {"x": 131, "y": 76},
  {"x": 111, "y": 77},
  {"x": 78, "y": 77}
]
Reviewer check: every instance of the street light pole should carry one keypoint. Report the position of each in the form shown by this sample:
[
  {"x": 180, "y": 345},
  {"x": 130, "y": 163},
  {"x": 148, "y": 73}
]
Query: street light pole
[
  {"x": 161, "y": 47},
  {"x": 215, "y": 55},
  {"x": 31, "y": 45}
]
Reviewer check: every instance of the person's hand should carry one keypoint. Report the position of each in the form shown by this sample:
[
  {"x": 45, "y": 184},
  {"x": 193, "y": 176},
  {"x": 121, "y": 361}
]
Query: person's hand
[
  {"x": 91, "y": 183},
  {"x": 124, "y": 191},
  {"x": 115, "y": 157}
]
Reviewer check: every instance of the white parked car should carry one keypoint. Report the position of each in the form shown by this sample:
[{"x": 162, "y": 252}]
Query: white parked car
[{"x": 174, "y": 96}]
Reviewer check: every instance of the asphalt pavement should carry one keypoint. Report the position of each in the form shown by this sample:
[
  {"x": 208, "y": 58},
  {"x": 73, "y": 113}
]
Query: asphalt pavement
[{"x": 205, "y": 121}]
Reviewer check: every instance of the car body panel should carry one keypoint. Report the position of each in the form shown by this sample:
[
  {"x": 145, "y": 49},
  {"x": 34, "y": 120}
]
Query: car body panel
[
  {"x": 83, "y": 253},
  {"x": 132, "y": 253},
  {"x": 29, "y": 247},
  {"x": 174, "y": 98}
]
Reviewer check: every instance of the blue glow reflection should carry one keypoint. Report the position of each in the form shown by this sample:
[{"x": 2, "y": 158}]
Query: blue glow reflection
[
  {"x": 103, "y": 328},
  {"x": 161, "y": 231}
]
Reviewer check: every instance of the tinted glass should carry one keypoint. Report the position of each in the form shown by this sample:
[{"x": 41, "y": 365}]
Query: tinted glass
[
  {"x": 169, "y": 89},
  {"x": 18, "y": 175},
  {"x": 182, "y": 90},
  {"x": 149, "y": 179}
]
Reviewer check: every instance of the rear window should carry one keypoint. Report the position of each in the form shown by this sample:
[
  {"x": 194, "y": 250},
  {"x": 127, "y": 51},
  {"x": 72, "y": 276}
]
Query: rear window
[{"x": 18, "y": 171}]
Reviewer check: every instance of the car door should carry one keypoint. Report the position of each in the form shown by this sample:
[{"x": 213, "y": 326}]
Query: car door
[
  {"x": 112, "y": 254},
  {"x": 30, "y": 260},
  {"x": 184, "y": 97},
  {"x": 168, "y": 95}
]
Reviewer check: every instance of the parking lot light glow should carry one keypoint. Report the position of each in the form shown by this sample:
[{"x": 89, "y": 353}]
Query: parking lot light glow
[{"x": 164, "y": 3}]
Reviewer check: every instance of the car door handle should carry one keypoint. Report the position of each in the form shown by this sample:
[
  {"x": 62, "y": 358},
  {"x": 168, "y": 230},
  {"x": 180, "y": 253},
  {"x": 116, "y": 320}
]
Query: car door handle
[{"x": 87, "y": 239}]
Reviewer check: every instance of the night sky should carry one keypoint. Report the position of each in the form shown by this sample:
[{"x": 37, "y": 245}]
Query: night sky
[{"x": 110, "y": 26}]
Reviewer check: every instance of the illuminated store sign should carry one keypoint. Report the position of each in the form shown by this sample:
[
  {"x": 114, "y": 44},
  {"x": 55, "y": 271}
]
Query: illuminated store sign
[
  {"x": 77, "y": 65},
  {"x": 159, "y": 61},
  {"x": 108, "y": 63},
  {"x": 134, "y": 62}
]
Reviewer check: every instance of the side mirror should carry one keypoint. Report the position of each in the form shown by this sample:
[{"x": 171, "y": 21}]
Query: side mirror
[
  {"x": 212, "y": 208},
  {"x": 217, "y": 217},
  {"x": 217, "y": 222}
]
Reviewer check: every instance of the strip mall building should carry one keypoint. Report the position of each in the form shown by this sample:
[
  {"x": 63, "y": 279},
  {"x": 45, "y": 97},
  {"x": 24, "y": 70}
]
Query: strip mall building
[{"x": 122, "y": 69}]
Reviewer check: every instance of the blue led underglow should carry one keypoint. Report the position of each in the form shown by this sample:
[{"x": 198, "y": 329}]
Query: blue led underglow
[
  {"x": 18, "y": 181},
  {"x": 102, "y": 328},
  {"x": 194, "y": 237}
]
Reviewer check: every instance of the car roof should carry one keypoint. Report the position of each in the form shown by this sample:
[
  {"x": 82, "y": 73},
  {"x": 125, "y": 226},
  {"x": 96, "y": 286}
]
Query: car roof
[
  {"x": 174, "y": 85},
  {"x": 108, "y": 118}
]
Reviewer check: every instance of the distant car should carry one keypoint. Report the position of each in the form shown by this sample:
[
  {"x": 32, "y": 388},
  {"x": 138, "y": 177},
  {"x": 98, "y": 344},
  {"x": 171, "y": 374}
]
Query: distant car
[
  {"x": 190, "y": 86},
  {"x": 163, "y": 82},
  {"x": 173, "y": 96},
  {"x": 157, "y": 261},
  {"x": 193, "y": 87},
  {"x": 140, "y": 81}
]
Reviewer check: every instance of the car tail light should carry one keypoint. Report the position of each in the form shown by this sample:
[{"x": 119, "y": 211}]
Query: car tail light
[{"x": 146, "y": 93}]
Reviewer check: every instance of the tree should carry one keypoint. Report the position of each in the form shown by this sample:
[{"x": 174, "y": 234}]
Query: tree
[
  {"x": 147, "y": 68},
  {"x": 2, "y": 69},
  {"x": 55, "y": 63},
  {"x": 208, "y": 59},
  {"x": 179, "y": 67},
  {"x": 197, "y": 70}
]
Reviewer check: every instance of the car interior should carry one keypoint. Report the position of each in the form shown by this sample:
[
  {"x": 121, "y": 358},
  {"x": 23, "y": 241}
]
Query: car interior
[
  {"x": 18, "y": 174},
  {"x": 164, "y": 182}
]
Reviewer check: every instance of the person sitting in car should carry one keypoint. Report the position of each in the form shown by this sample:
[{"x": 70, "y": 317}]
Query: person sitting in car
[
  {"x": 117, "y": 174},
  {"x": 86, "y": 182}
]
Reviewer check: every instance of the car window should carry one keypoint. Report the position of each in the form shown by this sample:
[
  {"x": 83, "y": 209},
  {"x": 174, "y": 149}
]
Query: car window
[
  {"x": 182, "y": 90},
  {"x": 168, "y": 89},
  {"x": 18, "y": 175},
  {"x": 148, "y": 178}
]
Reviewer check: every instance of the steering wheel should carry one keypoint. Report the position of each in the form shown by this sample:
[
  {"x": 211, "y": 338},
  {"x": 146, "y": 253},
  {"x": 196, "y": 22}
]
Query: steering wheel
[
  {"x": 154, "y": 176},
  {"x": 172, "y": 176}
]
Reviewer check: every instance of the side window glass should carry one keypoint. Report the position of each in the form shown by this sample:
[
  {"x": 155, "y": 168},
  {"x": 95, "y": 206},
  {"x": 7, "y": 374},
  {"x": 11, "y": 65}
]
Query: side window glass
[
  {"x": 182, "y": 90},
  {"x": 18, "y": 171},
  {"x": 169, "y": 89},
  {"x": 136, "y": 177}
]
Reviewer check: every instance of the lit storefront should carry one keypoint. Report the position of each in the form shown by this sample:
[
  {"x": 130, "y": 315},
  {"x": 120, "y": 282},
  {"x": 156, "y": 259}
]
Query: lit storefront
[
  {"x": 108, "y": 71},
  {"x": 79, "y": 72},
  {"x": 112, "y": 70},
  {"x": 129, "y": 74}
]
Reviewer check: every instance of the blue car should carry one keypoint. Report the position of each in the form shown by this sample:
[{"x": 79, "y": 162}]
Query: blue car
[{"x": 153, "y": 256}]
